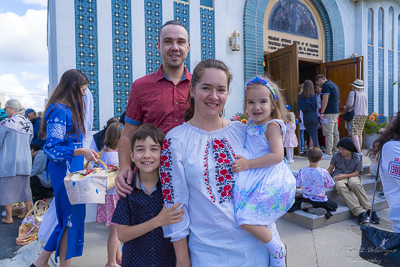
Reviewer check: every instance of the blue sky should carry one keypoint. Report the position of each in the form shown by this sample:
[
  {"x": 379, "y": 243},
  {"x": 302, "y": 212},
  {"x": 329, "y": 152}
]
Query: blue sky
[{"x": 23, "y": 52}]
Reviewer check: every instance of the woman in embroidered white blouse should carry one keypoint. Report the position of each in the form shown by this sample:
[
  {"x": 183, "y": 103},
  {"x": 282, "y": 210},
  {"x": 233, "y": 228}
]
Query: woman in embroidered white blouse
[{"x": 196, "y": 170}]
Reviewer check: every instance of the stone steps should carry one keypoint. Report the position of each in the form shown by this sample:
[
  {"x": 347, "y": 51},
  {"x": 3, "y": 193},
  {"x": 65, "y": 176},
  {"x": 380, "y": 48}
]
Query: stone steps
[{"x": 312, "y": 221}]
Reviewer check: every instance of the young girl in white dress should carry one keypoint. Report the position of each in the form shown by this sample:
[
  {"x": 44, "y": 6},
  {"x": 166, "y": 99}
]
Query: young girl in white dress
[
  {"x": 266, "y": 190},
  {"x": 106, "y": 211},
  {"x": 290, "y": 139}
]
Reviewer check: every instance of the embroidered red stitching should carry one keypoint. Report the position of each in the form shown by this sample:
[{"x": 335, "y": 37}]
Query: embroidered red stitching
[{"x": 165, "y": 172}]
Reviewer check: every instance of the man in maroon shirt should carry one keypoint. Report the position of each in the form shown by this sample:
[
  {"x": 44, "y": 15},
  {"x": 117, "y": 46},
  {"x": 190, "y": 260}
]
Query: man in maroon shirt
[{"x": 158, "y": 98}]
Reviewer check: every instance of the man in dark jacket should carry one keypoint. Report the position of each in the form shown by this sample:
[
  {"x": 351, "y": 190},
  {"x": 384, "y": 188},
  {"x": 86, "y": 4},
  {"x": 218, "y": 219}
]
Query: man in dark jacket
[{"x": 37, "y": 137}]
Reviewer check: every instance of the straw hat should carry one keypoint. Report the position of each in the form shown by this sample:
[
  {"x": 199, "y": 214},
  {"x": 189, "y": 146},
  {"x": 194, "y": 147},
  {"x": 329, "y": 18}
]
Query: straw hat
[{"x": 358, "y": 84}]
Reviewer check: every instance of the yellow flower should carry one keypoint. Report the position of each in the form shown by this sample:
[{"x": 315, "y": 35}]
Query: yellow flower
[
  {"x": 374, "y": 114},
  {"x": 243, "y": 121}
]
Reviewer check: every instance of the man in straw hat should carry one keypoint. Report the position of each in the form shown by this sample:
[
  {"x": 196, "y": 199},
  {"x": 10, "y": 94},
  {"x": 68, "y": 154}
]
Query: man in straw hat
[{"x": 357, "y": 101}]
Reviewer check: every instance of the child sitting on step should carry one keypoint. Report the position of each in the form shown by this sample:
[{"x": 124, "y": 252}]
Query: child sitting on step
[
  {"x": 313, "y": 181},
  {"x": 345, "y": 168}
]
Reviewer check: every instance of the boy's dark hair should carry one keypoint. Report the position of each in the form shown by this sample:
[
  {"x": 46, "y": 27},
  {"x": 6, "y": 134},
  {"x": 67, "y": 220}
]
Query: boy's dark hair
[
  {"x": 35, "y": 147},
  {"x": 314, "y": 154},
  {"x": 146, "y": 130}
]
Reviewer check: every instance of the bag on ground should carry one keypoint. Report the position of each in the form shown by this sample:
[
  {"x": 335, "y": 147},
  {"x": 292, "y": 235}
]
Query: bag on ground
[{"x": 380, "y": 246}]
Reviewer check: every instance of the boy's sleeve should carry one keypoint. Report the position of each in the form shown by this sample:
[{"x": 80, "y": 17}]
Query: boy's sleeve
[
  {"x": 174, "y": 185},
  {"x": 328, "y": 181},
  {"x": 122, "y": 213},
  {"x": 359, "y": 165}
]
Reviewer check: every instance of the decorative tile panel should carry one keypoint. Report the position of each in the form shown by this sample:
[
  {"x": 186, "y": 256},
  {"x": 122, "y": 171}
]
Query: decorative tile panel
[
  {"x": 181, "y": 13},
  {"x": 153, "y": 23},
  {"x": 122, "y": 54},
  {"x": 371, "y": 79},
  {"x": 87, "y": 49},
  {"x": 381, "y": 88},
  {"x": 207, "y": 33},
  {"x": 390, "y": 82}
]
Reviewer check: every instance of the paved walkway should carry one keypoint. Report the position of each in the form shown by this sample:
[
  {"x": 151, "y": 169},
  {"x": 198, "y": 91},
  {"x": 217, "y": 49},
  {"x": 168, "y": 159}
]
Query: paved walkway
[{"x": 332, "y": 245}]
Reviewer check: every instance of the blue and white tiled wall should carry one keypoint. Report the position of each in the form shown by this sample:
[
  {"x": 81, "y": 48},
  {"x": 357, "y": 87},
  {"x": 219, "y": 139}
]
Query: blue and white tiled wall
[
  {"x": 122, "y": 53},
  {"x": 87, "y": 48},
  {"x": 381, "y": 75},
  {"x": 370, "y": 78},
  {"x": 181, "y": 13}
]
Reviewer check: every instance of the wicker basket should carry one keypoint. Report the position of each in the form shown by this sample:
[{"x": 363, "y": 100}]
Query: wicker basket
[{"x": 18, "y": 209}]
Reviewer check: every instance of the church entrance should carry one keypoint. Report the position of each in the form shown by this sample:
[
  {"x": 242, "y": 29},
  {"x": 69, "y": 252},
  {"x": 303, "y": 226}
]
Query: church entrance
[{"x": 289, "y": 70}]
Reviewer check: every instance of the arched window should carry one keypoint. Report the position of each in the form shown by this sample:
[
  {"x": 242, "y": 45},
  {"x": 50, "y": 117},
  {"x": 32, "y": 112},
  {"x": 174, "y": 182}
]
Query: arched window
[
  {"x": 398, "y": 34},
  {"x": 293, "y": 17},
  {"x": 391, "y": 21},
  {"x": 370, "y": 26},
  {"x": 380, "y": 27}
]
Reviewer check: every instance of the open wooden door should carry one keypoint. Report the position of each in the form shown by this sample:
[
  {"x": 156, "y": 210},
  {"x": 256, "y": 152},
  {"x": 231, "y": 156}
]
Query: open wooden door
[
  {"x": 283, "y": 66},
  {"x": 343, "y": 73}
]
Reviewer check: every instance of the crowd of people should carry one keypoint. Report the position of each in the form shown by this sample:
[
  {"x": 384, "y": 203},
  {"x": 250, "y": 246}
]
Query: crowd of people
[{"x": 197, "y": 189}]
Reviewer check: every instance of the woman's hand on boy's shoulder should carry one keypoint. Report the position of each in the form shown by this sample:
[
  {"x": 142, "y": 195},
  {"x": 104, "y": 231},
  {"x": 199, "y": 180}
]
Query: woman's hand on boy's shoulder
[{"x": 170, "y": 216}]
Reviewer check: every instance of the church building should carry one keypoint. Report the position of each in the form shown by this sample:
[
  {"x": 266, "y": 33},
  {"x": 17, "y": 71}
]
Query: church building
[{"x": 114, "y": 42}]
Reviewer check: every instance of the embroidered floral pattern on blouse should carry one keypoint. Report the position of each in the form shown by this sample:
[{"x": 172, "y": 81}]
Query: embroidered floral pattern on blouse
[
  {"x": 223, "y": 168},
  {"x": 206, "y": 173},
  {"x": 165, "y": 172}
]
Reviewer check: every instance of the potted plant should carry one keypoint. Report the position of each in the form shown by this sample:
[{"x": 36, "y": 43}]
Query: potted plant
[{"x": 372, "y": 125}]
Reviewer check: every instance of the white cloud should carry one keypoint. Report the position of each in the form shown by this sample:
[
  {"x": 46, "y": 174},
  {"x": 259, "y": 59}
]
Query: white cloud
[
  {"x": 11, "y": 86},
  {"x": 31, "y": 76},
  {"x": 42, "y": 3},
  {"x": 23, "y": 38}
]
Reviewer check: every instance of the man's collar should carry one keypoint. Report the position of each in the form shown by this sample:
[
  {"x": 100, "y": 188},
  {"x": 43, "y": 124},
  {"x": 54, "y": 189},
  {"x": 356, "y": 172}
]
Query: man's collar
[{"x": 160, "y": 74}]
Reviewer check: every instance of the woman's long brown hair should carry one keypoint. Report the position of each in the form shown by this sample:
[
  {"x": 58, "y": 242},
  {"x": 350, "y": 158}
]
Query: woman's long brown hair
[{"x": 68, "y": 92}]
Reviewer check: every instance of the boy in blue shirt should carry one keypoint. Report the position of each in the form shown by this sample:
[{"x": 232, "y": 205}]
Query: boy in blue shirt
[{"x": 141, "y": 214}]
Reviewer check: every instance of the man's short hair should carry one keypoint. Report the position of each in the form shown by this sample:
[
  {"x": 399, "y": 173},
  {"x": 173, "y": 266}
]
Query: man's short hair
[
  {"x": 314, "y": 154},
  {"x": 172, "y": 22},
  {"x": 320, "y": 76}
]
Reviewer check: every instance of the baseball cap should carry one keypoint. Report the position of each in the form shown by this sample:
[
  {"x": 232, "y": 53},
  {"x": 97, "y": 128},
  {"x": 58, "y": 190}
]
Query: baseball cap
[{"x": 29, "y": 110}]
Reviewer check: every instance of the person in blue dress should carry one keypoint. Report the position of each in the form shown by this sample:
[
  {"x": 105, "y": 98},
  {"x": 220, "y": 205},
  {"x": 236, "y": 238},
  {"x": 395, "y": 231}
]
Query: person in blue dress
[{"x": 64, "y": 129}]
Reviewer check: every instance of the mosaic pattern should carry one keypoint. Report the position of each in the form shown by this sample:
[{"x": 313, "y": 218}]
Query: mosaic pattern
[
  {"x": 181, "y": 12},
  {"x": 293, "y": 17},
  {"x": 207, "y": 33},
  {"x": 390, "y": 81},
  {"x": 122, "y": 54},
  {"x": 253, "y": 34},
  {"x": 381, "y": 73},
  {"x": 371, "y": 79},
  {"x": 87, "y": 50},
  {"x": 153, "y": 22}
]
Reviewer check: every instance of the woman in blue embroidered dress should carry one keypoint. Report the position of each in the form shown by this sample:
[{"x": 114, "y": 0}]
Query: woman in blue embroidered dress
[
  {"x": 63, "y": 128},
  {"x": 265, "y": 186},
  {"x": 196, "y": 170}
]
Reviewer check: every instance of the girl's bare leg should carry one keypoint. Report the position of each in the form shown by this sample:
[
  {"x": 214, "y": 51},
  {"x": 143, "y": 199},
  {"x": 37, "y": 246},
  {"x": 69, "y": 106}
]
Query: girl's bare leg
[
  {"x": 63, "y": 249},
  {"x": 43, "y": 259}
]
